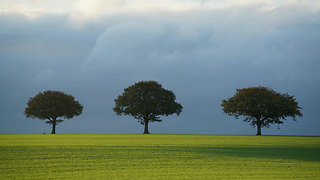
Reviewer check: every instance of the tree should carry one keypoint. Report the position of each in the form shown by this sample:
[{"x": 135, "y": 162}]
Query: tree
[
  {"x": 261, "y": 106},
  {"x": 50, "y": 105},
  {"x": 146, "y": 101}
]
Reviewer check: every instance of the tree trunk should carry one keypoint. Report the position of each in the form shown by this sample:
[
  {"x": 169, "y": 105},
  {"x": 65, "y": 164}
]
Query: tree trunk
[
  {"x": 146, "y": 123},
  {"x": 54, "y": 127},
  {"x": 259, "y": 128}
]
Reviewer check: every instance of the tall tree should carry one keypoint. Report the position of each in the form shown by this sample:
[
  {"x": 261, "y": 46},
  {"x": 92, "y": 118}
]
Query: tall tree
[
  {"x": 146, "y": 101},
  {"x": 50, "y": 105},
  {"x": 261, "y": 106}
]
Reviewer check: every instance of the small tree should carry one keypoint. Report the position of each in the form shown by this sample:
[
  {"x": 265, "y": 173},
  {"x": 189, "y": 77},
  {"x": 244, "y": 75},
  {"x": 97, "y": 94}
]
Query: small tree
[
  {"x": 261, "y": 106},
  {"x": 50, "y": 105},
  {"x": 146, "y": 101}
]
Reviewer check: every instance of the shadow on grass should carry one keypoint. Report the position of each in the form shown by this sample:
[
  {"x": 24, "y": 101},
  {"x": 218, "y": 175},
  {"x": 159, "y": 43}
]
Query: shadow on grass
[
  {"x": 113, "y": 152},
  {"x": 295, "y": 153}
]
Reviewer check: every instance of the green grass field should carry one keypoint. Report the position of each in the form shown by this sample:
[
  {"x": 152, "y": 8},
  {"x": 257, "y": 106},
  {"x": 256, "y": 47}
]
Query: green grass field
[{"x": 159, "y": 157}]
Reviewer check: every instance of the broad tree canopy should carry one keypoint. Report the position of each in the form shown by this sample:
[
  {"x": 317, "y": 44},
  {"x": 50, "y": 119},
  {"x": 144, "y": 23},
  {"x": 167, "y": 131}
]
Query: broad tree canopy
[
  {"x": 50, "y": 105},
  {"x": 261, "y": 106},
  {"x": 147, "y": 101}
]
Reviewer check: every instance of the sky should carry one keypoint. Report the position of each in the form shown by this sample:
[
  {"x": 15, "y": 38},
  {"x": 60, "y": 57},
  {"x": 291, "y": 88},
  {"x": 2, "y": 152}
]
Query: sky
[{"x": 202, "y": 50}]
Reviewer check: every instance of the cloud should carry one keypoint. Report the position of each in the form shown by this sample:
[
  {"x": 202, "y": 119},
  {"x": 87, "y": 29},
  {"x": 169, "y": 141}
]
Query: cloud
[
  {"x": 202, "y": 50},
  {"x": 202, "y": 33},
  {"x": 81, "y": 12},
  {"x": 204, "y": 56}
]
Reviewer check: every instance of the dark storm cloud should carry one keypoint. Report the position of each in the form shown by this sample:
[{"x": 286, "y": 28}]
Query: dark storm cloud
[{"x": 202, "y": 55}]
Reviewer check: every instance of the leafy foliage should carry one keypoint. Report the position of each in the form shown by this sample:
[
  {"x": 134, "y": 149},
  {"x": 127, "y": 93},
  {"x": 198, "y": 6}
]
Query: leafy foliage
[
  {"x": 261, "y": 106},
  {"x": 49, "y": 105},
  {"x": 146, "y": 101}
]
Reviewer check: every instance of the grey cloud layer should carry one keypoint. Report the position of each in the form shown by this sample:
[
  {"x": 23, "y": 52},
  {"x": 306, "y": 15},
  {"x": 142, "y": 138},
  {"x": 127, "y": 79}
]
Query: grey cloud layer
[{"x": 202, "y": 55}]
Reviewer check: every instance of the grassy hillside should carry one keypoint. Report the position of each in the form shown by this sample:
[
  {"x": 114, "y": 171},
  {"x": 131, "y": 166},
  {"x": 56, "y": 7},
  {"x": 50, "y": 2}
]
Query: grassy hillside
[{"x": 158, "y": 157}]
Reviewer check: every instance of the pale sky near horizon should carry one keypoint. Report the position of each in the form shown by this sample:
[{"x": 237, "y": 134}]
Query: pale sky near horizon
[{"x": 202, "y": 50}]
